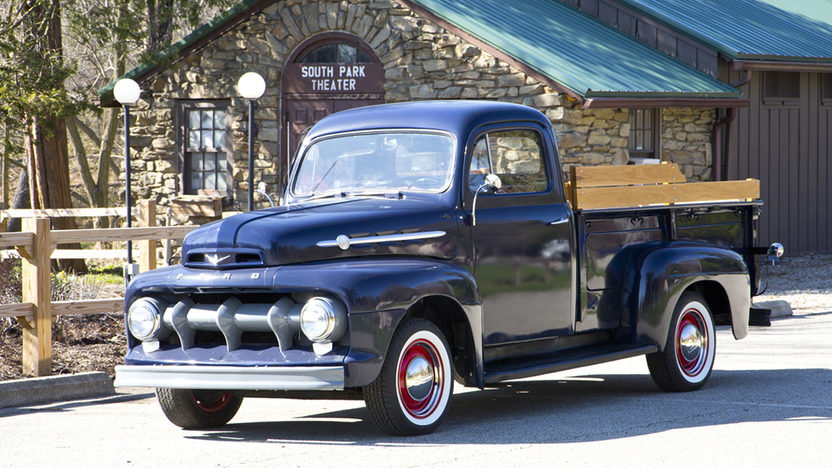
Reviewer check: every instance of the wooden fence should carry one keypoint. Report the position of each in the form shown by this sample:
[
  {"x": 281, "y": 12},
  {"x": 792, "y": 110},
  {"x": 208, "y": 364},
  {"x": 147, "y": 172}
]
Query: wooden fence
[{"x": 36, "y": 245}]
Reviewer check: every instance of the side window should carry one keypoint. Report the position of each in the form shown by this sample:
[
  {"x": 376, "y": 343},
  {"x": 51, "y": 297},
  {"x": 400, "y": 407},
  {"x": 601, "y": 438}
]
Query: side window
[
  {"x": 644, "y": 134},
  {"x": 781, "y": 87},
  {"x": 826, "y": 92},
  {"x": 206, "y": 164},
  {"x": 513, "y": 155}
]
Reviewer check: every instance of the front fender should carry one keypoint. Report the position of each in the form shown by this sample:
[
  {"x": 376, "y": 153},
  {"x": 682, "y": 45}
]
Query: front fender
[
  {"x": 378, "y": 293},
  {"x": 663, "y": 271}
]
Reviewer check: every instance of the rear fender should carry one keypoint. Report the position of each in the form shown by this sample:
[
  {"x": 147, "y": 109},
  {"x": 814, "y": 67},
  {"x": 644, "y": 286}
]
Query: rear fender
[{"x": 663, "y": 271}]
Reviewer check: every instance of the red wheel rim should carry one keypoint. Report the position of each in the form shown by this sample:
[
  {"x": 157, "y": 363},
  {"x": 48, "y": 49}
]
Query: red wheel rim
[
  {"x": 210, "y": 401},
  {"x": 418, "y": 351},
  {"x": 692, "y": 341}
]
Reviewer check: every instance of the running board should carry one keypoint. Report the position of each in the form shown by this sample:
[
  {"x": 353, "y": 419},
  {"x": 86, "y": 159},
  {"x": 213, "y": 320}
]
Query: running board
[{"x": 565, "y": 361}]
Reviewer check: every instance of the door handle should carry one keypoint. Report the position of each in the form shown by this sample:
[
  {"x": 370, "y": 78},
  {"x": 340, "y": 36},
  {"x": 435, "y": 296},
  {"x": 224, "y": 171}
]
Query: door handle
[{"x": 560, "y": 221}]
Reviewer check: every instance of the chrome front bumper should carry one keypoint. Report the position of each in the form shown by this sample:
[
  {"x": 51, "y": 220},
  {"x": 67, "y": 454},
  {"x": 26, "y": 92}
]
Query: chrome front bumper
[{"x": 231, "y": 378}]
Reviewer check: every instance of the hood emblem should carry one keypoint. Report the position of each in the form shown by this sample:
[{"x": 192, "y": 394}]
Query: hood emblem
[
  {"x": 216, "y": 259},
  {"x": 344, "y": 242}
]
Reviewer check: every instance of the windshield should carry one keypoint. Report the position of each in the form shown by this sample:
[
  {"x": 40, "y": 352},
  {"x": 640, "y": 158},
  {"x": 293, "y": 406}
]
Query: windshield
[{"x": 376, "y": 163}]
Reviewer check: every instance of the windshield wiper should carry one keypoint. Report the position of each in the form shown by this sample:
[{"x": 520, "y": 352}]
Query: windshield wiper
[
  {"x": 323, "y": 178},
  {"x": 326, "y": 195},
  {"x": 379, "y": 193}
]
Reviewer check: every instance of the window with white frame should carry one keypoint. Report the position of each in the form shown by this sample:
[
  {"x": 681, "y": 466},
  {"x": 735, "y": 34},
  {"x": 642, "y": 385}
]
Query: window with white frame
[{"x": 205, "y": 155}]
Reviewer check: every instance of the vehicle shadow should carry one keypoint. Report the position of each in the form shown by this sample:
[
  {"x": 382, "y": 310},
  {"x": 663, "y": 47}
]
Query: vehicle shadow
[
  {"x": 66, "y": 406},
  {"x": 564, "y": 410}
]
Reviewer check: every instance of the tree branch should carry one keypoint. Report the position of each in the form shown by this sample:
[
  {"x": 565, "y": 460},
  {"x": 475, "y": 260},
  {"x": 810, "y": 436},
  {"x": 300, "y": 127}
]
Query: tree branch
[
  {"x": 87, "y": 131},
  {"x": 81, "y": 159}
]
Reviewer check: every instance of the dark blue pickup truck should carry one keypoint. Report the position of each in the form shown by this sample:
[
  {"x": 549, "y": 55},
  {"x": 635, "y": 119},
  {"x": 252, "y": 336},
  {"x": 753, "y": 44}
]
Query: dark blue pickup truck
[{"x": 423, "y": 243}]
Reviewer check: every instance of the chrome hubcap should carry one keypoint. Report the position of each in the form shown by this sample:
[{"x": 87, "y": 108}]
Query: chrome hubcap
[
  {"x": 690, "y": 342},
  {"x": 693, "y": 342},
  {"x": 419, "y": 378}
]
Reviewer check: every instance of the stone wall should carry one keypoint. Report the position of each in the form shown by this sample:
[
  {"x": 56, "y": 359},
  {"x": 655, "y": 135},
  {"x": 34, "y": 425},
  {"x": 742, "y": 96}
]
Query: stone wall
[
  {"x": 421, "y": 61},
  {"x": 686, "y": 140}
]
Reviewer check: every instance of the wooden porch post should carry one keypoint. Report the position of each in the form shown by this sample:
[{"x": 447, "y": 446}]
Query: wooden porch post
[
  {"x": 147, "y": 248},
  {"x": 37, "y": 289}
]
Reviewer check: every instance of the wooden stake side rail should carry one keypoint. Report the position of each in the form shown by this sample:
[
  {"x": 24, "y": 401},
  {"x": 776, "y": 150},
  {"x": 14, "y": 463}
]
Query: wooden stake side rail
[
  {"x": 605, "y": 176},
  {"x": 611, "y": 187}
]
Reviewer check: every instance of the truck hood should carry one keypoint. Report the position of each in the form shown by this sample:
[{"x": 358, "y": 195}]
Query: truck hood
[{"x": 324, "y": 229}]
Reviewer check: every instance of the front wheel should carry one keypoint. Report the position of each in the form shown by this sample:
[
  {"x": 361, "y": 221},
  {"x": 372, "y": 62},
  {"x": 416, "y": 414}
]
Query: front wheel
[
  {"x": 688, "y": 356},
  {"x": 198, "y": 409},
  {"x": 413, "y": 390}
]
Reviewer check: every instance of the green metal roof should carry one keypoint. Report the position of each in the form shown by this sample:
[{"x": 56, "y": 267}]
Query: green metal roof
[
  {"x": 788, "y": 30},
  {"x": 577, "y": 51}
]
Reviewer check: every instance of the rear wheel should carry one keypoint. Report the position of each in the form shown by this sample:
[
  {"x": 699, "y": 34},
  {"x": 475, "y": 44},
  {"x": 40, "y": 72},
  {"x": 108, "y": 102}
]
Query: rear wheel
[
  {"x": 413, "y": 390},
  {"x": 198, "y": 409},
  {"x": 686, "y": 362}
]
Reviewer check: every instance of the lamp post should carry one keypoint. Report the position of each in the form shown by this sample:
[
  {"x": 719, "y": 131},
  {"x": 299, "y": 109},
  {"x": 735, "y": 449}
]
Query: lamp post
[
  {"x": 251, "y": 87},
  {"x": 127, "y": 93}
]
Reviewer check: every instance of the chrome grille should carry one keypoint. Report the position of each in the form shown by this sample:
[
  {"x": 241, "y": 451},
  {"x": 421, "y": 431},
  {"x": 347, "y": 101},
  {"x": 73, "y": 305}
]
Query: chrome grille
[{"x": 232, "y": 318}]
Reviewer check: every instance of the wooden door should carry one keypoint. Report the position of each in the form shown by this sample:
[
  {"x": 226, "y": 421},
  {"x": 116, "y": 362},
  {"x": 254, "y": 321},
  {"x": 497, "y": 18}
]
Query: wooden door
[
  {"x": 300, "y": 117},
  {"x": 302, "y": 114}
]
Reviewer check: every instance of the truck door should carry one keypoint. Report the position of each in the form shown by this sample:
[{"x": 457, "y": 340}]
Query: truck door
[{"x": 522, "y": 243}]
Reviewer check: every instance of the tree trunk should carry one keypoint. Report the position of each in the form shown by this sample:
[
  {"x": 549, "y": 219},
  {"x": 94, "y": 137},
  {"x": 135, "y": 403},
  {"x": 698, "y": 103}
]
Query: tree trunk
[
  {"x": 20, "y": 200},
  {"x": 6, "y": 150},
  {"x": 45, "y": 138},
  {"x": 159, "y": 25}
]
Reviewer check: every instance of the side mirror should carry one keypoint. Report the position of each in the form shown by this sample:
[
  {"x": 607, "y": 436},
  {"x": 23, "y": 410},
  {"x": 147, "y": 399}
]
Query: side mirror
[
  {"x": 261, "y": 189},
  {"x": 492, "y": 183},
  {"x": 775, "y": 251}
]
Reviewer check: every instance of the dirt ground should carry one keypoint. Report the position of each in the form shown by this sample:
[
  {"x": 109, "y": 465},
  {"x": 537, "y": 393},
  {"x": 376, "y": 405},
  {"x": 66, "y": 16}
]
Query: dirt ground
[{"x": 80, "y": 344}]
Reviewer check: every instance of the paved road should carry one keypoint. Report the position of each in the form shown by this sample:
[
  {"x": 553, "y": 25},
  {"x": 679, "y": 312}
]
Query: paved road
[{"x": 768, "y": 404}]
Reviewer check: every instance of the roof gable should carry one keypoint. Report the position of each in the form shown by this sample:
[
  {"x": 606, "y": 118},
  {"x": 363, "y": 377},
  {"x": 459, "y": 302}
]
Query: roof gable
[{"x": 788, "y": 30}]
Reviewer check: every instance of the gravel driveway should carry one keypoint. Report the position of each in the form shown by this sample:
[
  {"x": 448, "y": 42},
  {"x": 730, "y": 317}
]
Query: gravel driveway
[{"x": 804, "y": 281}]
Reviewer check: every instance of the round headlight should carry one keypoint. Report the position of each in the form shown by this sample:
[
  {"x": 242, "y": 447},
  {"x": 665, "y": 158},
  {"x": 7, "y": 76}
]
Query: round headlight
[
  {"x": 144, "y": 319},
  {"x": 322, "y": 319}
]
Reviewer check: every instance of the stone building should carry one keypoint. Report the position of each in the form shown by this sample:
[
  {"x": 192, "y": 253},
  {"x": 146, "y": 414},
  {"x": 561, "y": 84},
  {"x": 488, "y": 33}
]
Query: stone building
[{"x": 612, "y": 98}]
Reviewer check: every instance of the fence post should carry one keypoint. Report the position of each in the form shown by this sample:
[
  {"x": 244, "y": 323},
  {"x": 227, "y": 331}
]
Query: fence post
[
  {"x": 147, "y": 248},
  {"x": 37, "y": 289}
]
